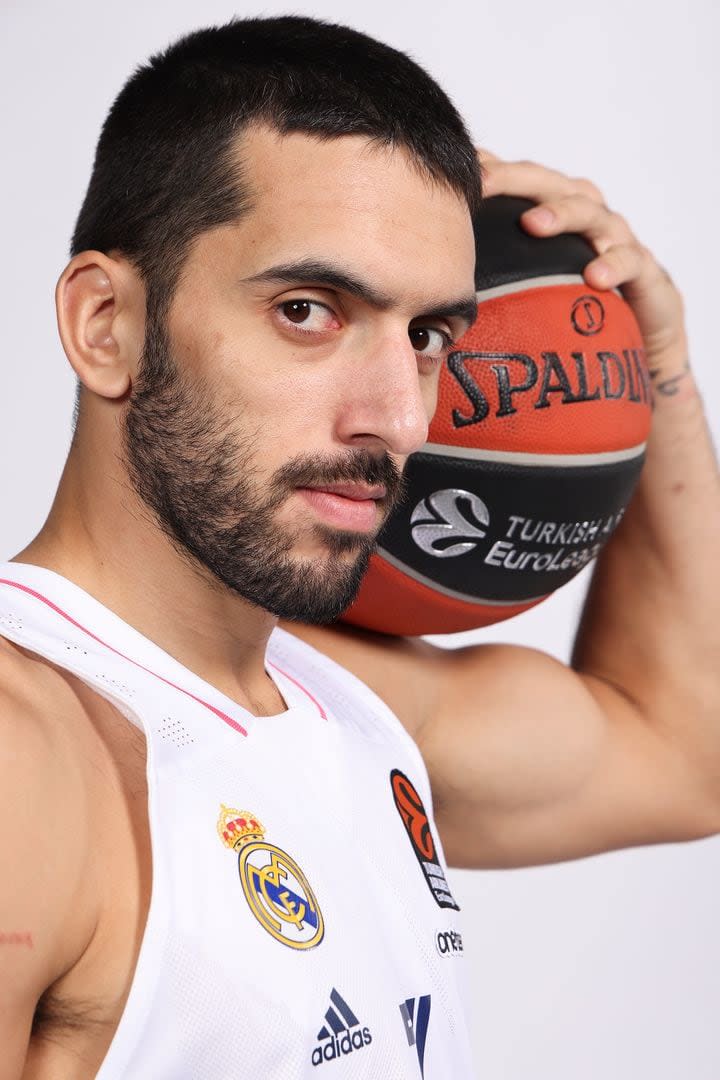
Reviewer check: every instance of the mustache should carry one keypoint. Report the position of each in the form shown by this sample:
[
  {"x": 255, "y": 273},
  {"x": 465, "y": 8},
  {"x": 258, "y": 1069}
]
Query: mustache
[{"x": 355, "y": 466}]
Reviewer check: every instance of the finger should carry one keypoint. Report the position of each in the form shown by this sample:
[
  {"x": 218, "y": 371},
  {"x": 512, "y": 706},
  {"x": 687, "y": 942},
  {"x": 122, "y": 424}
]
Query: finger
[
  {"x": 485, "y": 155},
  {"x": 587, "y": 188},
  {"x": 579, "y": 214},
  {"x": 629, "y": 265},
  {"x": 486, "y": 161},
  {"x": 526, "y": 179}
]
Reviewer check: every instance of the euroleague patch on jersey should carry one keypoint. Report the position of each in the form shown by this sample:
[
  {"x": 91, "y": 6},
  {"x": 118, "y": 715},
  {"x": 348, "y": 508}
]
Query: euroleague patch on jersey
[
  {"x": 417, "y": 826},
  {"x": 277, "y": 891}
]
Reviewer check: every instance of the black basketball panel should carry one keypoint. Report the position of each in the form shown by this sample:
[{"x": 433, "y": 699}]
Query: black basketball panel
[
  {"x": 502, "y": 531},
  {"x": 506, "y": 253}
]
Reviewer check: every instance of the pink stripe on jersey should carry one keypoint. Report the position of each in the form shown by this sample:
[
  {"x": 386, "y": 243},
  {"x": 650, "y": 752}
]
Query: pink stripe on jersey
[
  {"x": 38, "y": 596},
  {"x": 300, "y": 686}
]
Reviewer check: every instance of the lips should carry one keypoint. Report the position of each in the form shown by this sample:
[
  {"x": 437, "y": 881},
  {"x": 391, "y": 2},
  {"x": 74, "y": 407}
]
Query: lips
[
  {"x": 348, "y": 506},
  {"x": 357, "y": 492}
]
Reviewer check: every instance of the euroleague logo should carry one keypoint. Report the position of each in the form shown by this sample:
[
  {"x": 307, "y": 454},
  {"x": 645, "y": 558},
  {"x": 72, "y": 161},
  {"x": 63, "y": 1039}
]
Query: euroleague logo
[
  {"x": 410, "y": 807},
  {"x": 441, "y": 526}
]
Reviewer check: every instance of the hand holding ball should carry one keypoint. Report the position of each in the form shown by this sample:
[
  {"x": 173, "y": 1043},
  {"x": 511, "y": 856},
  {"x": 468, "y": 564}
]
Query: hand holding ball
[{"x": 534, "y": 450}]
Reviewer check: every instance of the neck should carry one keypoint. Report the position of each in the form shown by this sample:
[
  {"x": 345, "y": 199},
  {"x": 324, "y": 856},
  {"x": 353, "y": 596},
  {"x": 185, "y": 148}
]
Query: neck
[{"x": 102, "y": 538}]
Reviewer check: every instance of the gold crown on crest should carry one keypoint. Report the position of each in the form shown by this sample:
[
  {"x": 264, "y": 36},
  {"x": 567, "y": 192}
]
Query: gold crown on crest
[{"x": 238, "y": 827}]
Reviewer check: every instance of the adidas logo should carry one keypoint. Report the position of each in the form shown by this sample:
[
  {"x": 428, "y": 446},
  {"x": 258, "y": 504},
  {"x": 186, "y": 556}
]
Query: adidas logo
[{"x": 336, "y": 1036}]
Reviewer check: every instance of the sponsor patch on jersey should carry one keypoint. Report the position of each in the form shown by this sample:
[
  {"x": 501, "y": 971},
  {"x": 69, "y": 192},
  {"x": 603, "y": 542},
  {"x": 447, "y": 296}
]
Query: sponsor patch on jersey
[
  {"x": 415, "y": 1013},
  {"x": 449, "y": 943},
  {"x": 417, "y": 826},
  {"x": 341, "y": 1033},
  {"x": 277, "y": 891}
]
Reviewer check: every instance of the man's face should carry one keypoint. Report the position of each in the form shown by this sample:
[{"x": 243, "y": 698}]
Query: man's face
[{"x": 298, "y": 369}]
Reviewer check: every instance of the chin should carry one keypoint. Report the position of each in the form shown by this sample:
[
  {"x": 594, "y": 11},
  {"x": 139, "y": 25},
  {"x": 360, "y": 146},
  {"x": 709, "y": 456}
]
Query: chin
[{"x": 351, "y": 544}]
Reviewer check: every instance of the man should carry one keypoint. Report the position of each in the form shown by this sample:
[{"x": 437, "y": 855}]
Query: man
[{"x": 273, "y": 260}]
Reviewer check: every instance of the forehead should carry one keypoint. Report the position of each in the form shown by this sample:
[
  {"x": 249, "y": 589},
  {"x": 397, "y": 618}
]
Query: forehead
[{"x": 357, "y": 203}]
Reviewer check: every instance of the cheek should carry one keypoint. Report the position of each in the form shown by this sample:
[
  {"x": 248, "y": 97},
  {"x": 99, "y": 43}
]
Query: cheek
[
  {"x": 274, "y": 392},
  {"x": 286, "y": 409},
  {"x": 290, "y": 402}
]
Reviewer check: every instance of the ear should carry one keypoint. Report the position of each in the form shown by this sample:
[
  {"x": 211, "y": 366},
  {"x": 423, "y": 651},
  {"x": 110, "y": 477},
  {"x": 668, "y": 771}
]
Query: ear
[{"x": 101, "y": 314}]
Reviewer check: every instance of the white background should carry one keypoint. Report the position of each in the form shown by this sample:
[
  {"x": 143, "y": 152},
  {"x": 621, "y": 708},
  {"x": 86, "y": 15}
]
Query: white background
[{"x": 606, "y": 968}]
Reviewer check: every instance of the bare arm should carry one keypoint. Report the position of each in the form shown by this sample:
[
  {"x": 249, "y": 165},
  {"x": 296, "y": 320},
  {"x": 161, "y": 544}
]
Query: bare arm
[{"x": 45, "y": 920}]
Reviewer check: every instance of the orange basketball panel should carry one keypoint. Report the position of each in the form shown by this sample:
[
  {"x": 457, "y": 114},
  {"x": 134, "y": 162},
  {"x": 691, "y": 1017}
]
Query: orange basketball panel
[
  {"x": 557, "y": 369},
  {"x": 391, "y": 602}
]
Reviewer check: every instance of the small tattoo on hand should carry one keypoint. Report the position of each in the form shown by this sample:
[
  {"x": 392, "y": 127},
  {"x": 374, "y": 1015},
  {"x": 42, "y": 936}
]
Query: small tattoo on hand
[
  {"x": 669, "y": 387},
  {"x": 16, "y": 937}
]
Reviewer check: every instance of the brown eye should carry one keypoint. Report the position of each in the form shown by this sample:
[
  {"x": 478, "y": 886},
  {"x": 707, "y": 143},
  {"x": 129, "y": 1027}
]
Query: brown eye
[
  {"x": 296, "y": 311},
  {"x": 420, "y": 339},
  {"x": 307, "y": 316},
  {"x": 427, "y": 341}
]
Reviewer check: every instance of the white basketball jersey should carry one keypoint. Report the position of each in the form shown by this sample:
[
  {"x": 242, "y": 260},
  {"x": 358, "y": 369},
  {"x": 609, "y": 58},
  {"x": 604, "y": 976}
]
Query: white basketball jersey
[{"x": 300, "y": 924}]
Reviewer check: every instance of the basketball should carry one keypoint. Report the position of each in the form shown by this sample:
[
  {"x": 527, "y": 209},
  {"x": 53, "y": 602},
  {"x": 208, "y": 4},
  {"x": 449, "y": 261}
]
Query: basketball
[{"x": 535, "y": 448}]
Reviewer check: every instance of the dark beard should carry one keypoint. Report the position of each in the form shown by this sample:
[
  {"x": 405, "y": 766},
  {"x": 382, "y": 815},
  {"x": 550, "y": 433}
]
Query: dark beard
[{"x": 197, "y": 479}]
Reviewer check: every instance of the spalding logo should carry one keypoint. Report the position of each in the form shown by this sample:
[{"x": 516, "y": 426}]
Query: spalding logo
[{"x": 438, "y": 519}]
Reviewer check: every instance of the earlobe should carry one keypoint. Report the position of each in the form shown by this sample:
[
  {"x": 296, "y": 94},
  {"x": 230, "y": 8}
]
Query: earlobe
[{"x": 94, "y": 323}]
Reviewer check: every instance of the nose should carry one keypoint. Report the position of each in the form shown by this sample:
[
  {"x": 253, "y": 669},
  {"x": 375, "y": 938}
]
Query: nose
[{"x": 386, "y": 401}]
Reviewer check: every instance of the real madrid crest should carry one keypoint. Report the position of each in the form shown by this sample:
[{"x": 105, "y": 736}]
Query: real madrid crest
[{"x": 275, "y": 887}]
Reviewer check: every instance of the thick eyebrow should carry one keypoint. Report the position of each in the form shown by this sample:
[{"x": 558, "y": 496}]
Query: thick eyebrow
[
  {"x": 331, "y": 276},
  {"x": 464, "y": 309}
]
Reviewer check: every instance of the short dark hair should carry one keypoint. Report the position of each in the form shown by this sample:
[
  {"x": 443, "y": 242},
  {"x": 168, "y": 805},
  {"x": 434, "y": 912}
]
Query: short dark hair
[{"x": 165, "y": 170}]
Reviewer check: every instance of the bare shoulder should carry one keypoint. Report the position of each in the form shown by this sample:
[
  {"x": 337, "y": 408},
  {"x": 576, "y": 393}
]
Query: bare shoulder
[
  {"x": 46, "y": 915},
  {"x": 38, "y": 704},
  {"x": 404, "y": 672},
  {"x": 44, "y": 722}
]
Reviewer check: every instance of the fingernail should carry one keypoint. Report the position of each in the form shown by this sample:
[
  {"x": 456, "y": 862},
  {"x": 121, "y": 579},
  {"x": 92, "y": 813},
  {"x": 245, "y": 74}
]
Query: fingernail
[
  {"x": 541, "y": 216},
  {"x": 601, "y": 271}
]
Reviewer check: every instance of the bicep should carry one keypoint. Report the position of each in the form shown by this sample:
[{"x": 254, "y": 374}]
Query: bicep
[{"x": 533, "y": 763}]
